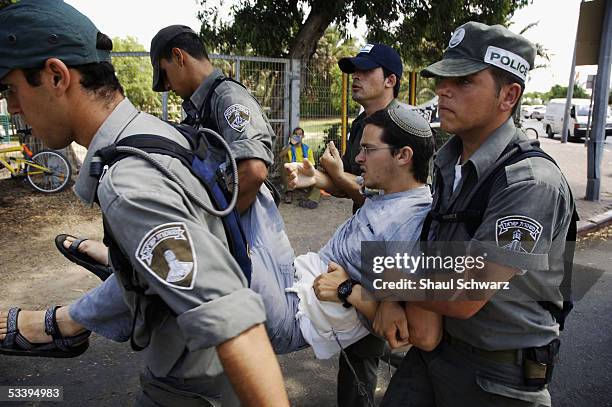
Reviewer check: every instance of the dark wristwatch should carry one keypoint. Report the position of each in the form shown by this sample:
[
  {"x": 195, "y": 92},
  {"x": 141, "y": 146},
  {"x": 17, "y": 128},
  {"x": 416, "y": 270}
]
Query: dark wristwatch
[{"x": 344, "y": 290}]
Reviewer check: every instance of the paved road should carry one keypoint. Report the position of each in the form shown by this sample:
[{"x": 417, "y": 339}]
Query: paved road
[
  {"x": 584, "y": 374},
  {"x": 538, "y": 126}
]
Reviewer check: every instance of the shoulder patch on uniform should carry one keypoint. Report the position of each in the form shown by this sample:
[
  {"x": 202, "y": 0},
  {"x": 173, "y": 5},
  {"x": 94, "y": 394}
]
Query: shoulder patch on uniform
[
  {"x": 167, "y": 252},
  {"x": 237, "y": 116},
  {"x": 517, "y": 233}
]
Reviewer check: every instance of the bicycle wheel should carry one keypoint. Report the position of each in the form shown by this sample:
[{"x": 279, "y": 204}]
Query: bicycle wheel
[{"x": 55, "y": 174}]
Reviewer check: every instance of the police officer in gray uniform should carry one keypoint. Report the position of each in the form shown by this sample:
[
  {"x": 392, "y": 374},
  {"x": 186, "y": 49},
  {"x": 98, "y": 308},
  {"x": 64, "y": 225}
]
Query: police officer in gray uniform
[
  {"x": 206, "y": 321},
  {"x": 495, "y": 352},
  {"x": 213, "y": 101},
  {"x": 180, "y": 63},
  {"x": 187, "y": 71}
]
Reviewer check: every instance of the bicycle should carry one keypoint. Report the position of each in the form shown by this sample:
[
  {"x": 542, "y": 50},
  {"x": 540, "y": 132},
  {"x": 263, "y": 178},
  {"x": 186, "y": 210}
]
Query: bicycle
[{"x": 46, "y": 171}]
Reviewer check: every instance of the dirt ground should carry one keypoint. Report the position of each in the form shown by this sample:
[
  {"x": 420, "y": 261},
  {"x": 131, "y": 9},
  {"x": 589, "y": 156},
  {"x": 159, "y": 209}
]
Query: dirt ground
[{"x": 34, "y": 274}]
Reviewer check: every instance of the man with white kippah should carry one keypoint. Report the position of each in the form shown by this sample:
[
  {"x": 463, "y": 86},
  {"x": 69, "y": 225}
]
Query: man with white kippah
[
  {"x": 505, "y": 198},
  {"x": 393, "y": 157},
  {"x": 376, "y": 74}
]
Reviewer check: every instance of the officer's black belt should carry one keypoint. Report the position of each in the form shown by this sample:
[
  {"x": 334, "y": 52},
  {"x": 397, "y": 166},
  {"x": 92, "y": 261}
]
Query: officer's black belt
[{"x": 511, "y": 356}]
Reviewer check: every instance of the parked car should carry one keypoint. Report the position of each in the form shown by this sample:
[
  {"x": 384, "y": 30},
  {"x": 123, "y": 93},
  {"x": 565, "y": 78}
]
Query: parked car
[
  {"x": 578, "y": 118},
  {"x": 528, "y": 110},
  {"x": 538, "y": 112}
]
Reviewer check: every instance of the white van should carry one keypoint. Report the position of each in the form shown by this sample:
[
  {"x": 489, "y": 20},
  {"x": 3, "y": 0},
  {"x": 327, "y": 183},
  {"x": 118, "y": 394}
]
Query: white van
[{"x": 579, "y": 116}]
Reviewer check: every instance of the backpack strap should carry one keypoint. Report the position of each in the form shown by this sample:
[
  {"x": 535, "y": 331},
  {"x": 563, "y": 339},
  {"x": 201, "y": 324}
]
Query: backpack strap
[
  {"x": 293, "y": 154},
  {"x": 472, "y": 217},
  {"x": 478, "y": 199},
  {"x": 209, "y": 175},
  {"x": 149, "y": 143},
  {"x": 205, "y": 118}
]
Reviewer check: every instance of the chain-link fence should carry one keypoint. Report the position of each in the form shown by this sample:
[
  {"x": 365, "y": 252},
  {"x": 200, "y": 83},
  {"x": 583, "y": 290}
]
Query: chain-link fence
[
  {"x": 266, "y": 79},
  {"x": 270, "y": 81},
  {"x": 7, "y": 130},
  {"x": 321, "y": 107}
]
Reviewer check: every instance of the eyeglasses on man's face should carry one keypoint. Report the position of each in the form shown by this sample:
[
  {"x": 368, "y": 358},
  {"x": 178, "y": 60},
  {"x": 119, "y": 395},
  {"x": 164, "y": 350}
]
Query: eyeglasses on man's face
[{"x": 367, "y": 150}]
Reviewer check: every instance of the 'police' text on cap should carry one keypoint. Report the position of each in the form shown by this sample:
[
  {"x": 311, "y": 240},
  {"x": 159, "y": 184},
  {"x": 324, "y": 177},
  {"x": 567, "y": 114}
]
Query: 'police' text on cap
[{"x": 476, "y": 46}]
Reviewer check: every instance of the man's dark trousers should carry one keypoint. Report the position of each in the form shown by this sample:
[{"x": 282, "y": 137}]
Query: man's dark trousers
[{"x": 364, "y": 356}]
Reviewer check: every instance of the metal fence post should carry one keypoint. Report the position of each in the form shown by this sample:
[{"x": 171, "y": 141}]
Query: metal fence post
[
  {"x": 294, "y": 78},
  {"x": 412, "y": 88},
  {"x": 165, "y": 106},
  {"x": 237, "y": 70},
  {"x": 344, "y": 111},
  {"x": 286, "y": 105},
  {"x": 600, "y": 108}
]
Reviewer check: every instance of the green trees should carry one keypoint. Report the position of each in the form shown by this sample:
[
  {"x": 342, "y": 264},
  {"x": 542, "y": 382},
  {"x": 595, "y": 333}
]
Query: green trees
[
  {"x": 557, "y": 91},
  {"x": 136, "y": 75},
  {"x": 420, "y": 29},
  {"x": 323, "y": 79}
]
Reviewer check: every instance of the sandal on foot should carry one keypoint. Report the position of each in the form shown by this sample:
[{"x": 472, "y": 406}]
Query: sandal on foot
[
  {"x": 74, "y": 255},
  {"x": 15, "y": 344},
  {"x": 308, "y": 204}
]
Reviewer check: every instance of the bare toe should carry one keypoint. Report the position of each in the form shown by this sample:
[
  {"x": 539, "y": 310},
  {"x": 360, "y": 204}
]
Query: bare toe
[
  {"x": 3, "y": 324},
  {"x": 68, "y": 241}
]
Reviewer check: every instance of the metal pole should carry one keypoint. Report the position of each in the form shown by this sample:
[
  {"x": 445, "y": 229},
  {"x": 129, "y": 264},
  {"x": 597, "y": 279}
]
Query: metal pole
[
  {"x": 165, "y": 106},
  {"x": 587, "y": 134},
  {"x": 344, "y": 112},
  {"x": 600, "y": 107},
  {"x": 412, "y": 87},
  {"x": 570, "y": 95},
  {"x": 294, "y": 121},
  {"x": 237, "y": 70},
  {"x": 282, "y": 139}
]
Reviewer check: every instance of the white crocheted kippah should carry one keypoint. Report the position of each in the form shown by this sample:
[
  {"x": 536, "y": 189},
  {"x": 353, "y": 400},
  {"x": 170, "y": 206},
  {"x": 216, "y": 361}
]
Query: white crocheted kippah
[{"x": 410, "y": 121}]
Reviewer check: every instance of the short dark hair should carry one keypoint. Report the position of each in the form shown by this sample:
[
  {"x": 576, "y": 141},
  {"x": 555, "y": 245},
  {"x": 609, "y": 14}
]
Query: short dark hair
[
  {"x": 396, "y": 88},
  {"x": 298, "y": 128},
  {"x": 394, "y": 136},
  {"x": 188, "y": 42},
  {"x": 503, "y": 78},
  {"x": 98, "y": 77}
]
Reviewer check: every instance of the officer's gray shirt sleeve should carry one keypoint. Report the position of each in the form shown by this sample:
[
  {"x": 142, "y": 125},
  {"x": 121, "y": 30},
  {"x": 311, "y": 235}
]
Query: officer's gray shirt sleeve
[
  {"x": 521, "y": 221},
  {"x": 257, "y": 138},
  {"x": 219, "y": 306}
]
